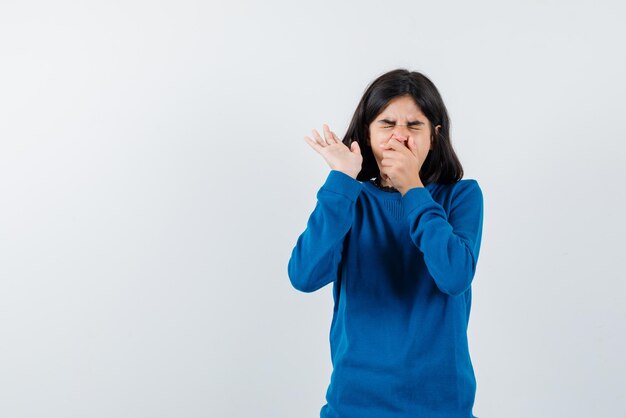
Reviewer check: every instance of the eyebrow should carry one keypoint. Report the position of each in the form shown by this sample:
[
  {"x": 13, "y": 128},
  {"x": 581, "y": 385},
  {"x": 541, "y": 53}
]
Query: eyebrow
[{"x": 390, "y": 122}]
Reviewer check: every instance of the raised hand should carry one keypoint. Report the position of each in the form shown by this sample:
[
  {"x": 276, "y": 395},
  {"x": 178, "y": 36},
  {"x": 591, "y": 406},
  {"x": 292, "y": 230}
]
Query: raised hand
[{"x": 338, "y": 156}]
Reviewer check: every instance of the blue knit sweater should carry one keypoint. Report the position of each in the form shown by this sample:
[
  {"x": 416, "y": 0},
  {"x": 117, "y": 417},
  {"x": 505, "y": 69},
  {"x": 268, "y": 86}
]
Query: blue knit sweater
[{"x": 401, "y": 268}]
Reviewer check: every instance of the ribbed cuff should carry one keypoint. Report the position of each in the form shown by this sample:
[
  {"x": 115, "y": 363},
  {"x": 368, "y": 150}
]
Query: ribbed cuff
[{"x": 341, "y": 183}]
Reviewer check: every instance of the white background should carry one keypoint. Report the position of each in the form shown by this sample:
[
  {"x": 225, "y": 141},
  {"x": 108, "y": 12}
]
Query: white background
[{"x": 154, "y": 180}]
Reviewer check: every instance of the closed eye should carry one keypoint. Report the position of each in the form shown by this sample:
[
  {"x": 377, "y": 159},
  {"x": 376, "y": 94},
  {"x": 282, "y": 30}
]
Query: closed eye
[{"x": 413, "y": 128}]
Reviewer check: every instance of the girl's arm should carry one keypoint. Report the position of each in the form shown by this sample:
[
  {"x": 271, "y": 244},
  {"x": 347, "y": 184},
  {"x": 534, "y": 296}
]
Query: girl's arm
[
  {"x": 315, "y": 259},
  {"x": 450, "y": 244}
]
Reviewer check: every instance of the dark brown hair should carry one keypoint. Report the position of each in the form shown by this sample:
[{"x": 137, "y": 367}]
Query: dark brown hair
[{"x": 441, "y": 165}]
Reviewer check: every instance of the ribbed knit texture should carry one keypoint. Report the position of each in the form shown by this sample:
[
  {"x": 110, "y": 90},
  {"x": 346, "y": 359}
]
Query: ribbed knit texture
[{"x": 402, "y": 269}]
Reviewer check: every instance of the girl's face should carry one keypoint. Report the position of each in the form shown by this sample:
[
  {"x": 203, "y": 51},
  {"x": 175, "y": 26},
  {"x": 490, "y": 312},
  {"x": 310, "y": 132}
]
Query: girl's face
[{"x": 401, "y": 119}]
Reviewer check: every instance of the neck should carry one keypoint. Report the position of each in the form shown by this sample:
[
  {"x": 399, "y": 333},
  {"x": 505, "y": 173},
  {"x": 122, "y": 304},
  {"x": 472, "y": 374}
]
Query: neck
[{"x": 382, "y": 182}]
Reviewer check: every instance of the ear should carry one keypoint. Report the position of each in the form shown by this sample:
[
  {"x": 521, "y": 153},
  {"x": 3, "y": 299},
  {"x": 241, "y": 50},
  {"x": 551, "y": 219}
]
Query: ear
[{"x": 432, "y": 139}]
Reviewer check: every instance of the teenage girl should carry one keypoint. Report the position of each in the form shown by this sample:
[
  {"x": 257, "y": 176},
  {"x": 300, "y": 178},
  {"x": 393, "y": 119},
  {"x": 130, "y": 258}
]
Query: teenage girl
[{"x": 397, "y": 231}]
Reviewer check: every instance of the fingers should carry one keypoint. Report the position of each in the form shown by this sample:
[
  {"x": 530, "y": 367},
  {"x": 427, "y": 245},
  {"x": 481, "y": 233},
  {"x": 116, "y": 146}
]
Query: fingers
[
  {"x": 321, "y": 141},
  {"x": 413, "y": 147},
  {"x": 393, "y": 144},
  {"x": 355, "y": 147},
  {"x": 331, "y": 138},
  {"x": 387, "y": 162},
  {"x": 317, "y": 142},
  {"x": 390, "y": 152},
  {"x": 314, "y": 144}
]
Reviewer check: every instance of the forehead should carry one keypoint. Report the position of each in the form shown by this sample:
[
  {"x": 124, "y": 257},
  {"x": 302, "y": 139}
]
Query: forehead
[{"x": 403, "y": 107}]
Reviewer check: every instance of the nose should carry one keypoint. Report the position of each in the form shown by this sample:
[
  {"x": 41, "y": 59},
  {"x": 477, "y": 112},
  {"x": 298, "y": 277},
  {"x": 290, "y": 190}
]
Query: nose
[{"x": 400, "y": 132}]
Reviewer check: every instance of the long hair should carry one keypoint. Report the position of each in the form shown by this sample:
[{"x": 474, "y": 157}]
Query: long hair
[{"x": 442, "y": 164}]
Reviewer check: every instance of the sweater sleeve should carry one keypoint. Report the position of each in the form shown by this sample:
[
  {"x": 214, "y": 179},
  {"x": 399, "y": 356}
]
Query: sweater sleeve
[
  {"x": 450, "y": 244},
  {"x": 316, "y": 256}
]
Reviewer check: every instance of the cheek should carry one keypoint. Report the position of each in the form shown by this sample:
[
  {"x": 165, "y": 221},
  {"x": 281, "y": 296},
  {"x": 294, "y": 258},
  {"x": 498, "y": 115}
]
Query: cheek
[
  {"x": 423, "y": 141},
  {"x": 374, "y": 141},
  {"x": 378, "y": 153}
]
